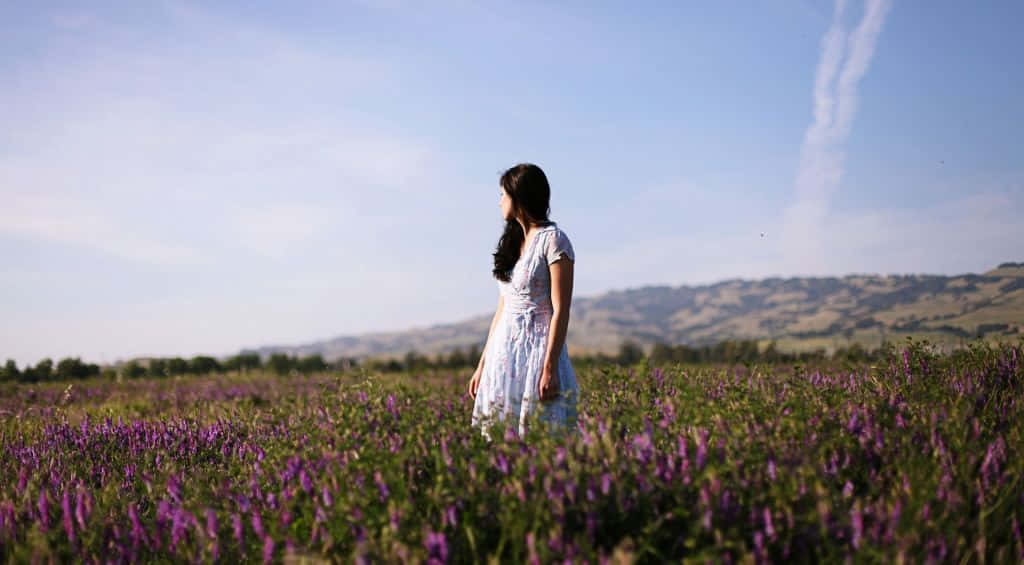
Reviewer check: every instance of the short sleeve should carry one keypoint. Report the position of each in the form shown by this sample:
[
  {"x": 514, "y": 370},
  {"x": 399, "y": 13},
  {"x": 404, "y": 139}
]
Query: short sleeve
[{"x": 559, "y": 246}]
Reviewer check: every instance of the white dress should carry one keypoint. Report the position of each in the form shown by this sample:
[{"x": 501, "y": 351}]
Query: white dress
[{"x": 514, "y": 355}]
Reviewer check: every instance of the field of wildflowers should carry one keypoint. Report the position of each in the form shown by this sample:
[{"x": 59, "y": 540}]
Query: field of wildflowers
[{"x": 917, "y": 459}]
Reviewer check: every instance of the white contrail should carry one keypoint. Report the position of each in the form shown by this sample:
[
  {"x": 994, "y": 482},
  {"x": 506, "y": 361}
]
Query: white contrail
[
  {"x": 862, "y": 47},
  {"x": 828, "y": 67},
  {"x": 835, "y": 102}
]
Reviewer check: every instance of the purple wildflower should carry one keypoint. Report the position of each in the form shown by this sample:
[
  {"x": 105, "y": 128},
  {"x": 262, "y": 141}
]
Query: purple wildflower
[
  {"x": 211, "y": 523},
  {"x": 268, "y": 549},
  {"x": 305, "y": 481},
  {"x": 65, "y": 507},
  {"x": 382, "y": 486},
  {"x": 702, "y": 448},
  {"x": 82, "y": 506},
  {"x": 44, "y": 511},
  {"x": 236, "y": 526},
  {"x": 894, "y": 518},
  {"x": 174, "y": 488},
  {"x": 768, "y": 528},
  {"x": 257, "y": 525},
  {"x": 501, "y": 463},
  {"x": 759, "y": 543},
  {"x": 179, "y": 522},
  {"x": 531, "y": 548},
  {"x": 138, "y": 532},
  {"x": 857, "y": 521},
  {"x": 437, "y": 547}
]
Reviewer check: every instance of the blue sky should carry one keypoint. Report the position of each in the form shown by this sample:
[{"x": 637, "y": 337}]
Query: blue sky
[{"x": 181, "y": 178}]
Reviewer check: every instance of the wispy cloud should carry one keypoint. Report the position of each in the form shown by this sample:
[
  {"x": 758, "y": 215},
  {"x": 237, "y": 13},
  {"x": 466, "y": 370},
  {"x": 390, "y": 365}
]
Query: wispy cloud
[
  {"x": 80, "y": 223},
  {"x": 845, "y": 58},
  {"x": 175, "y": 152}
]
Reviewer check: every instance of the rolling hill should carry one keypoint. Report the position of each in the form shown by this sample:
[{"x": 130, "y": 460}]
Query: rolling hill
[{"x": 799, "y": 313}]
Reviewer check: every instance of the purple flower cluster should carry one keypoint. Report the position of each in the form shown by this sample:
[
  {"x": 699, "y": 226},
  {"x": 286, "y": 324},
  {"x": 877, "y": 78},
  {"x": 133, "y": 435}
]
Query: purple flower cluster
[{"x": 736, "y": 464}]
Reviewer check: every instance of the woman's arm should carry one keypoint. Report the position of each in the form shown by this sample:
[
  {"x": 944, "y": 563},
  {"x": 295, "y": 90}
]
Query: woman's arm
[
  {"x": 561, "y": 300},
  {"x": 494, "y": 322}
]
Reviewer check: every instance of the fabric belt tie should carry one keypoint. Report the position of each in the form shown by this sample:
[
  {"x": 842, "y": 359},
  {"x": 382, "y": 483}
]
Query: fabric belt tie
[{"x": 529, "y": 312}]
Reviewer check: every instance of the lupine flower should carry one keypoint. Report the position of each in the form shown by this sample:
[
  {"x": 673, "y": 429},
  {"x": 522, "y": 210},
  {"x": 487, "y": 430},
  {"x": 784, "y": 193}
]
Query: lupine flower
[
  {"x": 852, "y": 426},
  {"x": 702, "y": 448},
  {"x": 180, "y": 522},
  {"x": 211, "y": 523},
  {"x": 82, "y": 506},
  {"x": 857, "y": 523},
  {"x": 769, "y": 530},
  {"x": 65, "y": 507},
  {"x": 268, "y": 549},
  {"x": 138, "y": 532},
  {"x": 174, "y": 488},
  {"x": 257, "y": 525},
  {"x": 44, "y": 511},
  {"x": 305, "y": 481},
  {"x": 501, "y": 463},
  {"x": 437, "y": 547},
  {"x": 236, "y": 526},
  {"x": 531, "y": 548},
  {"x": 382, "y": 486}
]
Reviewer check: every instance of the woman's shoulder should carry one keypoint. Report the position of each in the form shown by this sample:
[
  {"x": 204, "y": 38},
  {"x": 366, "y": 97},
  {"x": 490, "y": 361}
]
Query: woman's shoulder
[
  {"x": 555, "y": 228},
  {"x": 557, "y": 233},
  {"x": 558, "y": 244}
]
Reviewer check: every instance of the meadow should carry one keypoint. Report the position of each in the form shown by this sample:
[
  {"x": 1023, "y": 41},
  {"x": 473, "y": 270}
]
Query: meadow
[{"x": 915, "y": 458}]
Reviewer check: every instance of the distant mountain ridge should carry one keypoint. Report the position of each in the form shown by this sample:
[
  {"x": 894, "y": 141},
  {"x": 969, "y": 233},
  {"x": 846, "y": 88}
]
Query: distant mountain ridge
[{"x": 799, "y": 313}]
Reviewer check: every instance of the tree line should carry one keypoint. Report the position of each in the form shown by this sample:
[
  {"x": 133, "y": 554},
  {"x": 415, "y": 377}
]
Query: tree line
[
  {"x": 731, "y": 351},
  {"x": 728, "y": 351},
  {"x": 74, "y": 368}
]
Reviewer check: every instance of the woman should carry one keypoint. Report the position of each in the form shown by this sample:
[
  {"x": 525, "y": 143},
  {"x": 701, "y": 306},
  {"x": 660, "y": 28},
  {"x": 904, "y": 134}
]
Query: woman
[{"x": 524, "y": 371}]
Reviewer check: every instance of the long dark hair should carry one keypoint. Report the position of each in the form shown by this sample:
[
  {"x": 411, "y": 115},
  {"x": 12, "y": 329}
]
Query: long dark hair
[{"x": 527, "y": 187}]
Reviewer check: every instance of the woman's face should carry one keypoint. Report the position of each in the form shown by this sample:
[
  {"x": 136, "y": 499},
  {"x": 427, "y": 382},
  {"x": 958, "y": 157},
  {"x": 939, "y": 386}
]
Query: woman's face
[{"x": 506, "y": 204}]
